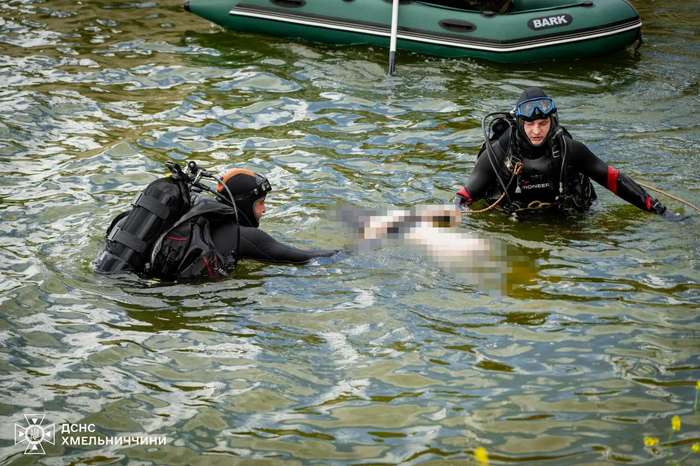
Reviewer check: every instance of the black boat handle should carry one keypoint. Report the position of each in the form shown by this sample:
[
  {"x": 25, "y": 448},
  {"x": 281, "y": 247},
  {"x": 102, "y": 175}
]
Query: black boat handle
[
  {"x": 455, "y": 25},
  {"x": 289, "y": 3}
]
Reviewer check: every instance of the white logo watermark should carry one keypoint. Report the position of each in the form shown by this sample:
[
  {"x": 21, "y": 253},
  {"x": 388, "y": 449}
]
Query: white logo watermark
[{"x": 34, "y": 434}]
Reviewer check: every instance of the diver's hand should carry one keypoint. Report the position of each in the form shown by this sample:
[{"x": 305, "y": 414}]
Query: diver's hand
[
  {"x": 462, "y": 199},
  {"x": 667, "y": 214},
  {"x": 672, "y": 216},
  {"x": 656, "y": 206}
]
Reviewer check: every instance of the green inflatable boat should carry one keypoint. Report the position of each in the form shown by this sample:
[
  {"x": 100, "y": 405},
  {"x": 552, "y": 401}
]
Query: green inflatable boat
[{"x": 531, "y": 30}]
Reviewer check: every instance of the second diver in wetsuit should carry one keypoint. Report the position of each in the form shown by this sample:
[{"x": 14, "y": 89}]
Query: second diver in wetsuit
[{"x": 534, "y": 163}]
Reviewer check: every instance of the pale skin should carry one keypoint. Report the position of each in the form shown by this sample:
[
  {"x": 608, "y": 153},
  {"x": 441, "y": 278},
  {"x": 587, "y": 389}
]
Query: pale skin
[
  {"x": 537, "y": 130},
  {"x": 259, "y": 208},
  {"x": 430, "y": 228}
]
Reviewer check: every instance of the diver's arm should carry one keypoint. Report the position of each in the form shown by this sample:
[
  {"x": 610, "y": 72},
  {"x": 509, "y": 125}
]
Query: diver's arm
[
  {"x": 258, "y": 245},
  {"x": 480, "y": 181},
  {"x": 608, "y": 176}
]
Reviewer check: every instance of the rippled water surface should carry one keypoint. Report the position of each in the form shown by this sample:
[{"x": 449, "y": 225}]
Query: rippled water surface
[{"x": 381, "y": 356}]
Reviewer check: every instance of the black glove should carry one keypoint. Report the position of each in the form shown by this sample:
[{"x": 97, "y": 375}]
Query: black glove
[
  {"x": 672, "y": 216},
  {"x": 657, "y": 207}
]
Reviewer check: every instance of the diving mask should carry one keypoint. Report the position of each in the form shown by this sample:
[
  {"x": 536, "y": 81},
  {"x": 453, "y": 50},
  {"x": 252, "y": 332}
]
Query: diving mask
[{"x": 532, "y": 109}]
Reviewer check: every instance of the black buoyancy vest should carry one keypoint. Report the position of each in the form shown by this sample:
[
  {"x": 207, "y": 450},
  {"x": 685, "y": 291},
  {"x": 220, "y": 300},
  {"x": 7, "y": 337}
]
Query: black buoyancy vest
[
  {"x": 543, "y": 176},
  {"x": 187, "y": 249}
]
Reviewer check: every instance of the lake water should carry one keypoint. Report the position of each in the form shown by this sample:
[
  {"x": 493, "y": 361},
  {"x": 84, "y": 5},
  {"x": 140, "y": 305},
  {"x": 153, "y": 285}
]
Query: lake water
[{"x": 589, "y": 344}]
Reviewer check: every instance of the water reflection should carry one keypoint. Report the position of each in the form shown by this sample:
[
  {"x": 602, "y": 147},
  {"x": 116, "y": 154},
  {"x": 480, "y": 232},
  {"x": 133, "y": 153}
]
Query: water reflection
[{"x": 385, "y": 355}]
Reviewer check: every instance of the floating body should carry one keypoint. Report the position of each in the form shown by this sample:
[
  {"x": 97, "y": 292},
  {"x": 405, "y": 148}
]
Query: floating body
[{"x": 533, "y": 30}]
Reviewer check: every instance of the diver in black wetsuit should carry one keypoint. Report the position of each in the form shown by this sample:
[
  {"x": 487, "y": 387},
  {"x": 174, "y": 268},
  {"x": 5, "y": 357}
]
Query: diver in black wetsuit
[
  {"x": 174, "y": 233},
  {"x": 249, "y": 191},
  {"x": 533, "y": 162}
]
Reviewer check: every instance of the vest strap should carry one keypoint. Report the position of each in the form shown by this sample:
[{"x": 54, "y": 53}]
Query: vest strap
[
  {"x": 153, "y": 205},
  {"x": 127, "y": 239}
]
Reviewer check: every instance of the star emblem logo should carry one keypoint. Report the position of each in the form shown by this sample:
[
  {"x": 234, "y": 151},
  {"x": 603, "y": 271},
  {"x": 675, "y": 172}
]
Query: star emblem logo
[{"x": 34, "y": 434}]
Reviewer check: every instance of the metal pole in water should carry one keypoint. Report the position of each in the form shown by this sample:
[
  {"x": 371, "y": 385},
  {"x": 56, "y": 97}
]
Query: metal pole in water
[{"x": 394, "y": 32}]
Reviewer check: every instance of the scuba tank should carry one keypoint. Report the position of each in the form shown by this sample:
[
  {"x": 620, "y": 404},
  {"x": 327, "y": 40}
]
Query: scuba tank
[
  {"x": 165, "y": 234},
  {"x": 131, "y": 236}
]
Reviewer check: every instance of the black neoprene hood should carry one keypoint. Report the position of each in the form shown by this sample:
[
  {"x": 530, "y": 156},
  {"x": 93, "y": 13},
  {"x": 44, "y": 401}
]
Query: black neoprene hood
[
  {"x": 240, "y": 184},
  {"x": 523, "y": 140},
  {"x": 531, "y": 93}
]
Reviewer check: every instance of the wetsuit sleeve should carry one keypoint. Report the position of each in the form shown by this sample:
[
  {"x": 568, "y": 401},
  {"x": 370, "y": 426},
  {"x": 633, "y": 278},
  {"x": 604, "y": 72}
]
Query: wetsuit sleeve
[
  {"x": 481, "y": 180},
  {"x": 258, "y": 245},
  {"x": 606, "y": 175}
]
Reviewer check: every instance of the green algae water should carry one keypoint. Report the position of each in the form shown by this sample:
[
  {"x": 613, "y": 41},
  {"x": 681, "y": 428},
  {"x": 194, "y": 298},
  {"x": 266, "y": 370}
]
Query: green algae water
[{"x": 584, "y": 356}]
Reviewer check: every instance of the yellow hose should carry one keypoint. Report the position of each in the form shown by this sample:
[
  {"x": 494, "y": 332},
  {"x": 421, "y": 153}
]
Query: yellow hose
[
  {"x": 517, "y": 169},
  {"x": 485, "y": 209}
]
